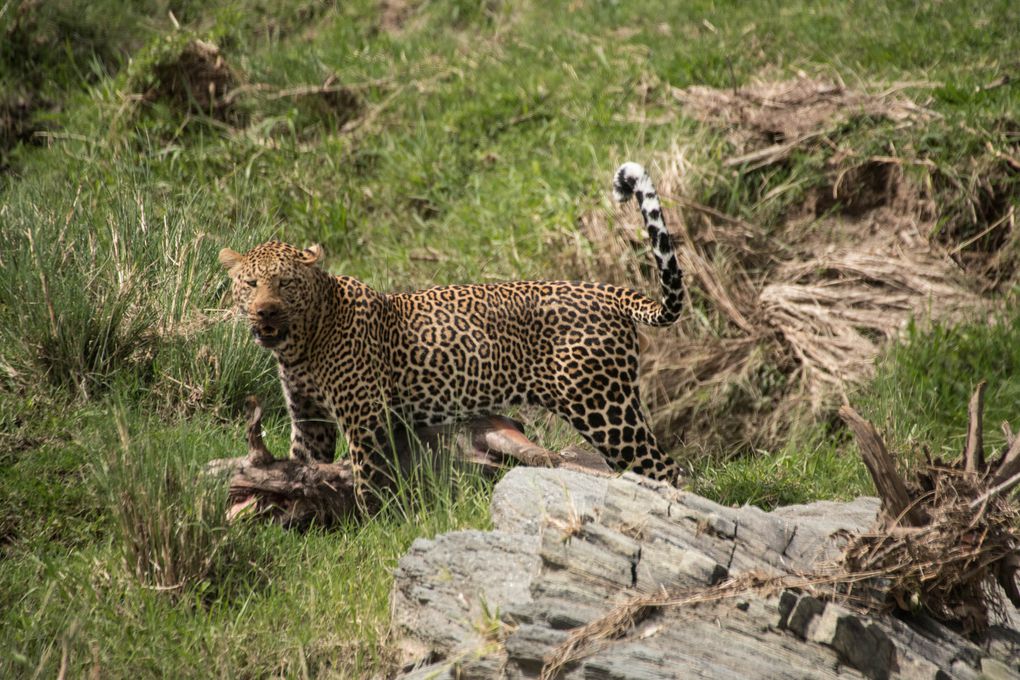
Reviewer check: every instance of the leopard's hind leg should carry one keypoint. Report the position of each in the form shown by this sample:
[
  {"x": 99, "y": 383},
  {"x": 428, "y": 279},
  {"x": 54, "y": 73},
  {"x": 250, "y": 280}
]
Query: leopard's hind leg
[{"x": 597, "y": 392}]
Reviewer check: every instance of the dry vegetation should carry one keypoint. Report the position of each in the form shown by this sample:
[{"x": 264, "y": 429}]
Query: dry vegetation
[
  {"x": 797, "y": 313},
  {"x": 947, "y": 539}
]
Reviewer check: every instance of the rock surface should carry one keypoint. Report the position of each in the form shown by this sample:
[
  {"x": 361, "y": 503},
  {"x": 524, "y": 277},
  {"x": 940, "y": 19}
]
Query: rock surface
[{"x": 569, "y": 548}]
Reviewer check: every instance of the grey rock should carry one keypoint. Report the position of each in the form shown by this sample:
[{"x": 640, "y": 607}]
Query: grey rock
[
  {"x": 526, "y": 498},
  {"x": 996, "y": 670},
  {"x": 445, "y": 588},
  {"x": 568, "y": 548},
  {"x": 801, "y": 612},
  {"x": 862, "y": 644}
]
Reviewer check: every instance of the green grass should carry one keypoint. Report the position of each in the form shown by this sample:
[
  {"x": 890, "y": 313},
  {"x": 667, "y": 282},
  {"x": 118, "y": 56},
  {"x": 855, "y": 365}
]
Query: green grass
[
  {"x": 108, "y": 571},
  {"x": 484, "y": 131},
  {"x": 921, "y": 395}
]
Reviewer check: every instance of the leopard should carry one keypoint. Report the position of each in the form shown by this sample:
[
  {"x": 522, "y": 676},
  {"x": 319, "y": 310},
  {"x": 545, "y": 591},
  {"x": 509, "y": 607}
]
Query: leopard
[{"x": 355, "y": 360}]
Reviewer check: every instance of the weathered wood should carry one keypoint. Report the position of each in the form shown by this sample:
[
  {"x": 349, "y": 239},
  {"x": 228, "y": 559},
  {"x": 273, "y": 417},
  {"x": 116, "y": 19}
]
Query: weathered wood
[
  {"x": 294, "y": 493},
  {"x": 1009, "y": 464},
  {"x": 973, "y": 452},
  {"x": 258, "y": 454},
  {"x": 1006, "y": 577},
  {"x": 896, "y": 500},
  {"x": 297, "y": 493}
]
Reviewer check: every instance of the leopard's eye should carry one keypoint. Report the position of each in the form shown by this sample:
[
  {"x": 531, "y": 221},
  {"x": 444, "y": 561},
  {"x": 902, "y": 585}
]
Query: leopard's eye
[
  {"x": 251, "y": 283},
  {"x": 284, "y": 283}
]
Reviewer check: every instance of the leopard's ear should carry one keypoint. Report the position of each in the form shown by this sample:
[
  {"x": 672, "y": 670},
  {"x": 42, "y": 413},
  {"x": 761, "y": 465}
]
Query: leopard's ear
[
  {"x": 230, "y": 258},
  {"x": 312, "y": 254}
]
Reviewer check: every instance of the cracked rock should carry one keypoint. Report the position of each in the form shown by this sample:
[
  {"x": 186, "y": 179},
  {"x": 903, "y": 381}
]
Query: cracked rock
[{"x": 567, "y": 549}]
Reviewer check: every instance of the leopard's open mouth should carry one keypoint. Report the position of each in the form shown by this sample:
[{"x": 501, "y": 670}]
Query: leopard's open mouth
[{"x": 268, "y": 335}]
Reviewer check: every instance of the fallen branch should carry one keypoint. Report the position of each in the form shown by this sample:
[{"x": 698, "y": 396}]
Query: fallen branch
[{"x": 973, "y": 453}]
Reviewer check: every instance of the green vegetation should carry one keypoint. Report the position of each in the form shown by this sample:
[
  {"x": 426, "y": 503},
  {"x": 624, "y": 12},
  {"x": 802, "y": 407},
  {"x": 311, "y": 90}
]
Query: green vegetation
[{"x": 422, "y": 143}]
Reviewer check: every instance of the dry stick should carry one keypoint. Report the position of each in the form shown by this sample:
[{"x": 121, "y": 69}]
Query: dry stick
[
  {"x": 996, "y": 490},
  {"x": 258, "y": 454},
  {"x": 770, "y": 154},
  {"x": 1010, "y": 463},
  {"x": 973, "y": 453},
  {"x": 880, "y": 465},
  {"x": 625, "y": 615}
]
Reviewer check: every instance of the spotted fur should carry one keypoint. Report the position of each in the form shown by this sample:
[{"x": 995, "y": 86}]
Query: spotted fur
[{"x": 352, "y": 357}]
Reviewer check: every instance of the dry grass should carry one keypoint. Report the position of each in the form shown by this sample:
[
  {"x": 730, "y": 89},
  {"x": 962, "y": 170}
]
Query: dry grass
[
  {"x": 834, "y": 312},
  {"x": 621, "y": 619},
  {"x": 948, "y": 567},
  {"x": 171, "y": 527},
  {"x": 791, "y": 314},
  {"x": 768, "y": 119}
]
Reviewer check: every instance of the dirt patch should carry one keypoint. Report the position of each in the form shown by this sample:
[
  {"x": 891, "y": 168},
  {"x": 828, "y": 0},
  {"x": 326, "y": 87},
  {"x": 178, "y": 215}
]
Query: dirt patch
[
  {"x": 196, "y": 81},
  {"x": 792, "y": 316},
  {"x": 331, "y": 103},
  {"x": 394, "y": 14}
]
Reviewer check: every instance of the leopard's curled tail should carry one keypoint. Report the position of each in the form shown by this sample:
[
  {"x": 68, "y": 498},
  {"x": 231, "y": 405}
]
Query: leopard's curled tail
[{"x": 633, "y": 180}]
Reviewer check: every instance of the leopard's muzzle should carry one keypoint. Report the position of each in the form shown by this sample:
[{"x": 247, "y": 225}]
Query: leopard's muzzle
[{"x": 269, "y": 327}]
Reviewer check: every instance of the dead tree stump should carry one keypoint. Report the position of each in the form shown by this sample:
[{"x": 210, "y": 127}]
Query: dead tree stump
[{"x": 948, "y": 535}]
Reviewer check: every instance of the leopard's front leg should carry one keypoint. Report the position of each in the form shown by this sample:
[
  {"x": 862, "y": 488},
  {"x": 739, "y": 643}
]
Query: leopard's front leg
[
  {"x": 313, "y": 431},
  {"x": 372, "y": 454}
]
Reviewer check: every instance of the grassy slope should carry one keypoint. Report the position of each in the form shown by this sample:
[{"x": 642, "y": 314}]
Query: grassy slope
[{"x": 488, "y": 131}]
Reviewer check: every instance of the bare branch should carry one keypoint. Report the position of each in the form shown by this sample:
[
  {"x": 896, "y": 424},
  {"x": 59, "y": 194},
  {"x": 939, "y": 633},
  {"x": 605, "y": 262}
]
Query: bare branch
[
  {"x": 973, "y": 452},
  {"x": 890, "y": 486},
  {"x": 1010, "y": 463},
  {"x": 258, "y": 454},
  {"x": 996, "y": 490}
]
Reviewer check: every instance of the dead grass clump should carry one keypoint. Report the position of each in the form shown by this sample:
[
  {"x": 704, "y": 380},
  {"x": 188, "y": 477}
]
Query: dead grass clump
[
  {"x": 779, "y": 321},
  {"x": 978, "y": 229},
  {"x": 947, "y": 539},
  {"x": 773, "y": 117},
  {"x": 195, "y": 80},
  {"x": 170, "y": 529},
  {"x": 835, "y": 311},
  {"x": 950, "y": 566}
]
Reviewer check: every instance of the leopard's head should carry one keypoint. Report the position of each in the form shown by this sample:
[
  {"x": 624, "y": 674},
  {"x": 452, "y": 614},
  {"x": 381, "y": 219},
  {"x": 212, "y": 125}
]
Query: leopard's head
[{"x": 274, "y": 288}]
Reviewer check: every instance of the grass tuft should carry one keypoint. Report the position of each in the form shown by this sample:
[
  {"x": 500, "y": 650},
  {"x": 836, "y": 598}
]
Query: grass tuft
[{"x": 168, "y": 516}]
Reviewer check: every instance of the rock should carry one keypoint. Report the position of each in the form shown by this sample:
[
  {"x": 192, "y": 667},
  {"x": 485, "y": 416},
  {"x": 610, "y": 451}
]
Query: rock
[
  {"x": 862, "y": 645},
  {"x": 447, "y": 588},
  {"x": 568, "y": 549}
]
